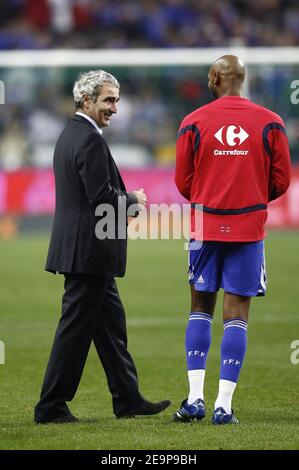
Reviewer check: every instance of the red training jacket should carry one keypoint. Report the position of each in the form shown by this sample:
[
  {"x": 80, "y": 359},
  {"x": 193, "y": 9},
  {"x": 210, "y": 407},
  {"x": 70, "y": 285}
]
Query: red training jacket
[{"x": 233, "y": 158}]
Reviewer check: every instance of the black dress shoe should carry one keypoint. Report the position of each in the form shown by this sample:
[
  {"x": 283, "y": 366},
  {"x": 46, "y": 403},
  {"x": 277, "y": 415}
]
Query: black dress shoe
[
  {"x": 61, "y": 420},
  {"x": 147, "y": 408}
]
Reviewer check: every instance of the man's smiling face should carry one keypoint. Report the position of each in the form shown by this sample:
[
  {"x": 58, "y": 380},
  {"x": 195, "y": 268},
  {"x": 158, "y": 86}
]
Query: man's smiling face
[{"x": 105, "y": 105}]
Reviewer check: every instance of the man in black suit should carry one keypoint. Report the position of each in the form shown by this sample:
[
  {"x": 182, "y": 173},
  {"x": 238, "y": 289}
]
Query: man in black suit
[{"x": 86, "y": 176}]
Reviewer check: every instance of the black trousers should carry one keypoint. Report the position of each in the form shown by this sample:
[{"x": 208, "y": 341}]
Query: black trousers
[{"x": 91, "y": 311}]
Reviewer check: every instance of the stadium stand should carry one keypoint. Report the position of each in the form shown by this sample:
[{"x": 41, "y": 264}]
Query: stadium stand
[
  {"x": 38, "y": 24},
  {"x": 153, "y": 100}
]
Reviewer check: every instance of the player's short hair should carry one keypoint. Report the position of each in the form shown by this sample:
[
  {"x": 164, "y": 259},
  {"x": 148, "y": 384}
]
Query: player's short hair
[{"x": 90, "y": 83}]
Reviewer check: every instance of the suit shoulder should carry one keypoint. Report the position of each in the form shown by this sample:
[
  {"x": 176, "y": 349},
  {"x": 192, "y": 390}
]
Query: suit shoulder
[
  {"x": 76, "y": 140},
  {"x": 82, "y": 127},
  {"x": 81, "y": 133}
]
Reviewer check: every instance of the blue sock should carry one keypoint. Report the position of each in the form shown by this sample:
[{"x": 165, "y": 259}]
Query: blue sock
[
  {"x": 233, "y": 349},
  {"x": 198, "y": 340}
]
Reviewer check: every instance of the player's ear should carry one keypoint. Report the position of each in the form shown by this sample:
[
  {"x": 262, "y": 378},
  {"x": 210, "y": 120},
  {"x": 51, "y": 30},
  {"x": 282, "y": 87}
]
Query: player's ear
[{"x": 217, "y": 78}]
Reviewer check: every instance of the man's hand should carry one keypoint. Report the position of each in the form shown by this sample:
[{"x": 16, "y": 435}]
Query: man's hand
[{"x": 141, "y": 197}]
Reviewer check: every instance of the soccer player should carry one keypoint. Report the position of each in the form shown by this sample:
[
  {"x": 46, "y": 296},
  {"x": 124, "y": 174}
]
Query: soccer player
[{"x": 232, "y": 160}]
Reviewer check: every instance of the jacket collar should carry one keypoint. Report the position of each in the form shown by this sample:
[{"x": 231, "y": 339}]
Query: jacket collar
[{"x": 81, "y": 117}]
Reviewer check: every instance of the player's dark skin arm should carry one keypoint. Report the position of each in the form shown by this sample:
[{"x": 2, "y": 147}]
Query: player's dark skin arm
[{"x": 233, "y": 305}]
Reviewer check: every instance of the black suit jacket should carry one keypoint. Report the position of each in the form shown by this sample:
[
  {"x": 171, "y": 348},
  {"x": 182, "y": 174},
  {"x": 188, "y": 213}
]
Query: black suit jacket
[{"x": 85, "y": 176}]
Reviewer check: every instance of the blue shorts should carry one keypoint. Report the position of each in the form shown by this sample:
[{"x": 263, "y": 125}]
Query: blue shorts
[{"x": 239, "y": 268}]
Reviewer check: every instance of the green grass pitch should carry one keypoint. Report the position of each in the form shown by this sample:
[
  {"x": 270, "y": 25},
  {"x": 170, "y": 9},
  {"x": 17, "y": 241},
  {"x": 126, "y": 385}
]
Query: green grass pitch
[{"x": 156, "y": 296}]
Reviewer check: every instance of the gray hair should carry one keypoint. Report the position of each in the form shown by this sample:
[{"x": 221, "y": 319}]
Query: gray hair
[{"x": 90, "y": 83}]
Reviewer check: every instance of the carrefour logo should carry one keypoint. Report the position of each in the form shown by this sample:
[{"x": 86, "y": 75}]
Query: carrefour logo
[{"x": 231, "y": 135}]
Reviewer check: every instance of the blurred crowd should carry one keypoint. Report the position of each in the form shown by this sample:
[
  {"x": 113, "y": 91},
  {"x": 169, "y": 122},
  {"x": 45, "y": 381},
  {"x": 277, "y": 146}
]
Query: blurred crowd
[
  {"x": 152, "y": 104},
  {"x": 38, "y": 24},
  {"x": 38, "y": 101}
]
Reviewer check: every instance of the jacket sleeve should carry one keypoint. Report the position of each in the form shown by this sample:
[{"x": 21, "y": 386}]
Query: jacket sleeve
[
  {"x": 94, "y": 170},
  {"x": 280, "y": 167},
  {"x": 185, "y": 150}
]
